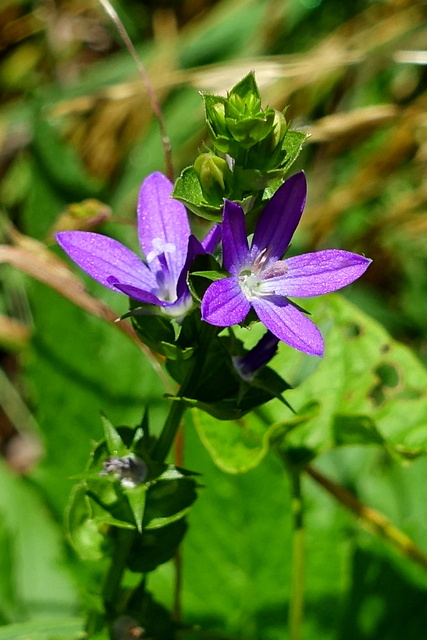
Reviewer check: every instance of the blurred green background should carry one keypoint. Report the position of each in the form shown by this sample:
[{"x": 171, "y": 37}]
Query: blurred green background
[{"x": 77, "y": 136}]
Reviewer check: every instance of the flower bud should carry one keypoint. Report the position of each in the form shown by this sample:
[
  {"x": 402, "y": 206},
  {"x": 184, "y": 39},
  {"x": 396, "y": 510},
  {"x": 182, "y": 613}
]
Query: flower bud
[
  {"x": 213, "y": 172},
  {"x": 216, "y": 117},
  {"x": 247, "y": 365},
  {"x": 280, "y": 127}
]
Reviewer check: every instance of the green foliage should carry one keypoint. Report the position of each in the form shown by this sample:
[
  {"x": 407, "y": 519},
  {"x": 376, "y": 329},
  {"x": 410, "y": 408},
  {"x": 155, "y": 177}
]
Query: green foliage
[
  {"x": 124, "y": 488},
  {"x": 51, "y": 629},
  {"x": 369, "y": 389}
]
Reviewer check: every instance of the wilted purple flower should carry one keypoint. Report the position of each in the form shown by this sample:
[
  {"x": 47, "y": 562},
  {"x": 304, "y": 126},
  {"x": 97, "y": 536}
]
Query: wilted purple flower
[
  {"x": 166, "y": 241},
  {"x": 131, "y": 471},
  {"x": 261, "y": 280}
]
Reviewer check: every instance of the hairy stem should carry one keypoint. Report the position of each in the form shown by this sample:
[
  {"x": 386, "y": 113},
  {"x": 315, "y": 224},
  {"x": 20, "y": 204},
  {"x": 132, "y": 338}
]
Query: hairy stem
[
  {"x": 296, "y": 604},
  {"x": 373, "y": 520}
]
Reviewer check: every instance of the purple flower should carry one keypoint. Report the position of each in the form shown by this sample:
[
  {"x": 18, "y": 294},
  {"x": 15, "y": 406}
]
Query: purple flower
[
  {"x": 262, "y": 281},
  {"x": 166, "y": 241}
]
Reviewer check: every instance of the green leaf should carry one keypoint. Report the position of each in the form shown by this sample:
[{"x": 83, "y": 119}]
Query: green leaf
[
  {"x": 247, "y": 87},
  {"x": 153, "y": 330},
  {"x": 168, "y": 501},
  {"x": 292, "y": 144},
  {"x": 60, "y": 162},
  {"x": 235, "y": 445},
  {"x": 156, "y": 546},
  {"x": 82, "y": 529},
  {"x": 8, "y": 600},
  {"x": 174, "y": 352},
  {"x": 115, "y": 444},
  {"x": 370, "y": 389},
  {"x": 210, "y": 275},
  {"x": 50, "y": 629},
  {"x": 188, "y": 190},
  {"x": 34, "y": 577},
  {"x": 137, "y": 499}
]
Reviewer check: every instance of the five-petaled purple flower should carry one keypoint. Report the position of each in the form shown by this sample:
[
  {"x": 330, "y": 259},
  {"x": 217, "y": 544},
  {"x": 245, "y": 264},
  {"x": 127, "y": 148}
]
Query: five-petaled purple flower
[
  {"x": 262, "y": 280},
  {"x": 166, "y": 241}
]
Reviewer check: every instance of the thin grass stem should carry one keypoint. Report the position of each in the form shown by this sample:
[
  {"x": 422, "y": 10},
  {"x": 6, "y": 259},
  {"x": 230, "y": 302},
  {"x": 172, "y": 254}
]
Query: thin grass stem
[{"x": 155, "y": 104}]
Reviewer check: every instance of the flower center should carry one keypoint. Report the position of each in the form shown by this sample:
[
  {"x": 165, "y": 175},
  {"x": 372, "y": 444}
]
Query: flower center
[
  {"x": 166, "y": 286},
  {"x": 249, "y": 284},
  {"x": 258, "y": 278}
]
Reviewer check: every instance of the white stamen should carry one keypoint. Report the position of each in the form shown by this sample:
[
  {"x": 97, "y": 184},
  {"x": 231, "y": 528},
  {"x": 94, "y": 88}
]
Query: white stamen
[
  {"x": 254, "y": 279},
  {"x": 249, "y": 283},
  {"x": 159, "y": 247}
]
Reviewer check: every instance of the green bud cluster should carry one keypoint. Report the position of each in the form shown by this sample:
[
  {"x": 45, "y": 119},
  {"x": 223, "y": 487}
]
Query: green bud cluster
[{"x": 253, "y": 149}]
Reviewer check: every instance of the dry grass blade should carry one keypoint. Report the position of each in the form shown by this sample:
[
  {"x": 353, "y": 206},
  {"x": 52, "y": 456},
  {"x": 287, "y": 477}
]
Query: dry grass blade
[
  {"x": 353, "y": 123},
  {"x": 14, "y": 335},
  {"x": 32, "y": 257}
]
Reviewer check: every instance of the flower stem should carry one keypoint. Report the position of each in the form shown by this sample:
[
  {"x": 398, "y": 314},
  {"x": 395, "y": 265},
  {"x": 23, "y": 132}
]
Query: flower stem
[
  {"x": 122, "y": 544},
  {"x": 171, "y": 426},
  {"x": 296, "y": 605}
]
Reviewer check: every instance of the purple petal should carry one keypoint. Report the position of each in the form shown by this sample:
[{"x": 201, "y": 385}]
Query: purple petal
[
  {"x": 313, "y": 274},
  {"x": 194, "y": 249},
  {"x": 102, "y": 258},
  {"x": 136, "y": 293},
  {"x": 234, "y": 242},
  {"x": 212, "y": 239},
  {"x": 280, "y": 218},
  {"x": 289, "y": 324},
  {"x": 162, "y": 226},
  {"x": 224, "y": 303}
]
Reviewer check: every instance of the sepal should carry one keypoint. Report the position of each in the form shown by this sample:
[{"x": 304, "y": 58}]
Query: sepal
[{"x": 123, "y": 488}]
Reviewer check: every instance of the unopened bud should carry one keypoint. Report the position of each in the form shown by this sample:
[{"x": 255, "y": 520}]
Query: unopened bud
[
  {"x": 212, "y": 171},
  {"x": 280, "y": 128},
  {"x": 216, "y": 116}
]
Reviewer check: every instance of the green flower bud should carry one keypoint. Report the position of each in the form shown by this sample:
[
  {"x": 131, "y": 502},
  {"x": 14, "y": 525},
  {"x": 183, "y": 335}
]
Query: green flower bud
[
  {"x": 280, "y": 128},
  {"x": 214, "y": 173},
  {"x": 216, "y": 117}
]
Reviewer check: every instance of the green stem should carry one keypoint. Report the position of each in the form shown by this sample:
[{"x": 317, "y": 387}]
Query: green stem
[
  {"x": 122, "y": 544},
  {"x": 171, "y": 426},
  {"x": 296, "y": 605}
]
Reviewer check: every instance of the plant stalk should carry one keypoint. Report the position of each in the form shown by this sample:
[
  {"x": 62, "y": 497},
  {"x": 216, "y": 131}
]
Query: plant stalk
[
  {"x": 296, "y": 604},
  {"x": 122, "y": 545}
]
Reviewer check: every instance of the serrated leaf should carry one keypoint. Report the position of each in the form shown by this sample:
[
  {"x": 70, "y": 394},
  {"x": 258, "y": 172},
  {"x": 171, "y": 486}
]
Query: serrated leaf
[
  {"x": 246, "y": 87},
  {"x": 188, "y": 190}
]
